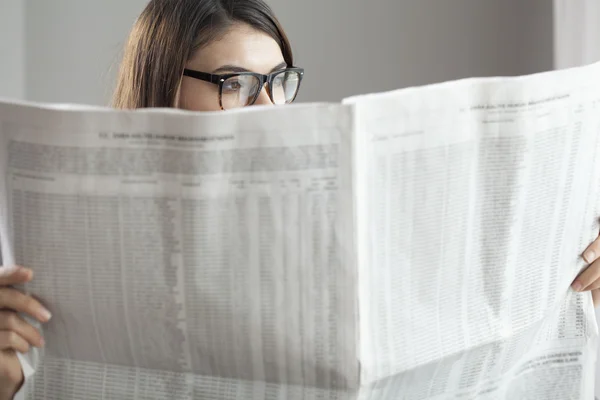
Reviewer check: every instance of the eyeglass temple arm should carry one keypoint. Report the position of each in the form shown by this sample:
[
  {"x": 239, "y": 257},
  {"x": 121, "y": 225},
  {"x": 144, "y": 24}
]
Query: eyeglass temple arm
[{"x": 203, "y": 76}]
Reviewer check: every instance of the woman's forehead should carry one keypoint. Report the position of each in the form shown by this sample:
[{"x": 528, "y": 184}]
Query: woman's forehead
[{"x": 242, "y": 46}]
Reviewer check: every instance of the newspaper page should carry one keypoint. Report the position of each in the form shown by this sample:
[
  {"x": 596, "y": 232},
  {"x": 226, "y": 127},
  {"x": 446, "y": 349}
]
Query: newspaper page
[
  {"x": 182, "y": 255},
  {"x": 475, "y": 200},
  {"x": 414, "y": 245}
]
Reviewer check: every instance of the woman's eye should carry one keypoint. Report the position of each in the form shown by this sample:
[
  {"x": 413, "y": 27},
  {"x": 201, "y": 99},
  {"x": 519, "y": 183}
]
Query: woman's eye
[{"x": 232, "y": 86}]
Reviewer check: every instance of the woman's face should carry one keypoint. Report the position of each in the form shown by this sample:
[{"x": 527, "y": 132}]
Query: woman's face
[{"x": 243, "y": 48}]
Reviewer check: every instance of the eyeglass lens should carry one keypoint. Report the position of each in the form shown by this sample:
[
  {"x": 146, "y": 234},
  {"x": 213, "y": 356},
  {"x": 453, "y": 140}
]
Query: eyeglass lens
[{"x": 240, "y": 91}]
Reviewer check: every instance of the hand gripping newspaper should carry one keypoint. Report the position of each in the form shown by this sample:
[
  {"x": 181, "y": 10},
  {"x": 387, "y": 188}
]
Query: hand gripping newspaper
[{"x": 415, "y": 244}]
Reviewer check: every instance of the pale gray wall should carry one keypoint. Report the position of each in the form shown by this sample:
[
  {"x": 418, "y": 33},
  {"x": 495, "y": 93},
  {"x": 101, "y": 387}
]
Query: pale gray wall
[
  {"x": 12, "y": 49},
  {"x": 357, "y": 46},
  {"x": 347, "y": 46},
  {"x": 74, "y": 46}
]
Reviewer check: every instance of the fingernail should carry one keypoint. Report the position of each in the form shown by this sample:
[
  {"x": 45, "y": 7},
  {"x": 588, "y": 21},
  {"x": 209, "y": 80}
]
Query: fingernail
[
  {"x": 26, "y": 271},
  {"x": 577, "y": 286},
  {"x": 44, "y": 315},
  {"x": 589, "y": 256},
  {"x": 42, "y": 343}
]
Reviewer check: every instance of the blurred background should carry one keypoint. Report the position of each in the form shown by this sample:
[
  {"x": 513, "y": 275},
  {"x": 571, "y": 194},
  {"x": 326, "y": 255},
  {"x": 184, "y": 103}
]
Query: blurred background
[{"x": 69, "y": 50}]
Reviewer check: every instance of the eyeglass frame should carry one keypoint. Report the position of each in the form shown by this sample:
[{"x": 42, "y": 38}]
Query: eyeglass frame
[{"x": 219, "y": 79}]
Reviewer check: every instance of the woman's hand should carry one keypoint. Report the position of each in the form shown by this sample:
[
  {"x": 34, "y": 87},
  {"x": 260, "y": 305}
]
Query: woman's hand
[
  {"x": 589, "y": 279},
  {"x": 15, "y": 333}
]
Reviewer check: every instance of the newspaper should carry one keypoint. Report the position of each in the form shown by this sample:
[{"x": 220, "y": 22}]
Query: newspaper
[{"x": 415, "y": 244}]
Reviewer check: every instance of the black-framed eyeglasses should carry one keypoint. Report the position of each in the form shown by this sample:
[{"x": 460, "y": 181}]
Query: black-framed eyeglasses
[{"x": 241, "y": 89}]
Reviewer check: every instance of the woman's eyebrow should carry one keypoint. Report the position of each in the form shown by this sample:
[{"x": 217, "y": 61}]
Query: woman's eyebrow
[
  {"x": 229, "y": 68},
  {"x": 279, "y": 66},
  {"x": 235, "y": 68}
]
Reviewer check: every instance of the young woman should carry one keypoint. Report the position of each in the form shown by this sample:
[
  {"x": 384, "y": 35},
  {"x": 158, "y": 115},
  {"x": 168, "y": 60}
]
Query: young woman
[
  {"x": 199, "y": 55},
  {"x": 207, "y": 55}
]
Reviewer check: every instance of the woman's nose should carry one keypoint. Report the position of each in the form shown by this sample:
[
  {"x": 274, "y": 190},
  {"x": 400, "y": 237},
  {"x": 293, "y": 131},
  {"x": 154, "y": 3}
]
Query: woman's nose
[{"x": 263, "y": 98}]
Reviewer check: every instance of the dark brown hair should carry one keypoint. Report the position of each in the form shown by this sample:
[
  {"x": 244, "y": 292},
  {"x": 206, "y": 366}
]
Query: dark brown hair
[{"x": 167, "y": 34}]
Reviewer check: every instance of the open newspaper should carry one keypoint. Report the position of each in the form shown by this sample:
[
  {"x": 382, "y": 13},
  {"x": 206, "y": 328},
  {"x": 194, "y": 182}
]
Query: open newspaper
[{"x": 417, "y": 244}]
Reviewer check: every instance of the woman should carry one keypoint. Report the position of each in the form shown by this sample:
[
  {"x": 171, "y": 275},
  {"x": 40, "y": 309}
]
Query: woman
[
  {"x": 207, "y": 55},
  {"x": 199, "y": 55}
]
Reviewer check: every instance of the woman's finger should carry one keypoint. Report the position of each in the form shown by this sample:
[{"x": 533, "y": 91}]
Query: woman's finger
[
  {"x": 15, "y": 300},
  {"x": 12, "y": 340},
  {"x": 587, "y": 277},
  {"x": 596, "y": 297},
  {"x": 592, "y": 253},
  {"x": 10, "y": 321},
  {"x": 594, "y": 285},
  {"x": 14, "y": 275}
]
